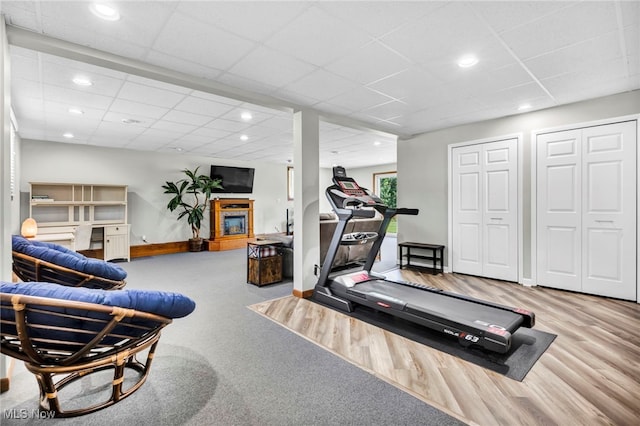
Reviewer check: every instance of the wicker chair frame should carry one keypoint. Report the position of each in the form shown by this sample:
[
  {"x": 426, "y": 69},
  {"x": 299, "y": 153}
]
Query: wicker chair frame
[
  {"x": 108, "y": 347},
  {"x": 29, "y": 268}
]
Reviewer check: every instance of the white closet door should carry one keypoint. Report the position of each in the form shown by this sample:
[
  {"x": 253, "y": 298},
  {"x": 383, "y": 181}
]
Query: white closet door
[
  {"x": 609, "y": 210},
  {"x": 558, "y": 212},
  {"x": 467, "y": 212},
  {"x": 500, "y": 211},
  {"x": 586, "y": 198},
  {"x": 485, "y": 228}
]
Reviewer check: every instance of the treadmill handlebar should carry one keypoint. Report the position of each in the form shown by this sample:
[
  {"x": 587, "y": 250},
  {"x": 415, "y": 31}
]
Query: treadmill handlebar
[
  {"x": 412, "y": 212},
  {"x": 356, "y": 212},
  {"x": 353, "y": 201}
]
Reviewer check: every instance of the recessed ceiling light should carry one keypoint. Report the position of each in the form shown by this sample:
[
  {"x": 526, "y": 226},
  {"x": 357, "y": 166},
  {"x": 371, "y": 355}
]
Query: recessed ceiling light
[
  {"x": 244, "y": 137},
  {"x": 246, "y": 116},
  {"x": 467, "y": 61},
  {"x": 104, "y": 11},
  {"x": 377, "y": 143},
  {"x": 76, "y": 111},
  {"x": 177, "y": 148},
  {"x": 82, "y": 81},
  {"x": 524, "y": 106},
  {"x": 68, "y": 135}
]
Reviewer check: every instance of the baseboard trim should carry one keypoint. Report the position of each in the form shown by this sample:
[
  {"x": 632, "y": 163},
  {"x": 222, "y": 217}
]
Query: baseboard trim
[
  {"x": 145, "y": 250},
  {"x": 159, "y": 249},
  {"x": 306, "y": 294}
]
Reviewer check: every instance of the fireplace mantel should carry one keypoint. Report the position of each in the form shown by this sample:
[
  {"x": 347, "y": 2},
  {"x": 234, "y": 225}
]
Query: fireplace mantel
[{"x": 237, "y": 215}]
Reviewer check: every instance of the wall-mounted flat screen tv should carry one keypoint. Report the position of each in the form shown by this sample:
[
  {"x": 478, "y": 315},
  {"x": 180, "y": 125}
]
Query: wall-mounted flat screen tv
[{"x": 235, "y": 180}]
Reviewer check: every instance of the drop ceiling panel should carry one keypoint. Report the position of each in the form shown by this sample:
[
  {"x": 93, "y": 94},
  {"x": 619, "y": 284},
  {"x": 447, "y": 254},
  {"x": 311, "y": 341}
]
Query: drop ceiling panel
[
  {"x": 416, "y": 86},
  {"x": 117, "y": 117},
  {"x": 193, "y": 68},
  {"x": 567, "y": 26},
  {"x": 150, "y": 95},
  {"x": 75, "y": 16},
  {"x": 605, "y": 78},
  {"x": 322, "y": 85},
  {"x": 282, "y": 123},
  {"x": 252, "y": 20},
  {"x": 317, "y": 37},
  {"x": 369, "y": 63},
  {"x": 176, "y": 116},
  {"x": 124, "y": 106},
  {"x": 576, "y": 57},
  {"x": 270, "y": 66},
  {"x": 357, "y": 99},
  {"x": 178, "y": 128},
  {"x": 228, "y": 125},
  {"x": 211, "y": 133},
  {"x": 190, "y": 39},
  {"x": 447, "y": 32},
  {"x": 199, "y": 106},
  {"x": 379, "y": 17},
  {"x": 76, "y": 97},
  {"x": 507, "y": 15},
  {"x": 62, "y": 108},
  {"x": 387, "y": 64}
]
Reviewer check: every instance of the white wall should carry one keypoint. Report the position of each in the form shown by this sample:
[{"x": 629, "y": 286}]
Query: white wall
[
  {"x": 144, "y": 173},
  {"x": 422, "y": 163}
]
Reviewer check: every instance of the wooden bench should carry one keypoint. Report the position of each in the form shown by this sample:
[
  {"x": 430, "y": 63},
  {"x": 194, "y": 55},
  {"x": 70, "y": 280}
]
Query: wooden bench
[{"x": 436, "y": 255}]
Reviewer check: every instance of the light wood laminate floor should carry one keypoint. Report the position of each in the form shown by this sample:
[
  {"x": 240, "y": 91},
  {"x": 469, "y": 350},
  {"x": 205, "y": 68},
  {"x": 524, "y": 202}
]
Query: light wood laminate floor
[{"x": 590, "y": 375}]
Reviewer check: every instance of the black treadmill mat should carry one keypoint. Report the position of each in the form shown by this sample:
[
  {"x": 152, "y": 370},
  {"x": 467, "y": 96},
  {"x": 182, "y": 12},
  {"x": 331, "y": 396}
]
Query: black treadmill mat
[{"x": 527, "y": 344}]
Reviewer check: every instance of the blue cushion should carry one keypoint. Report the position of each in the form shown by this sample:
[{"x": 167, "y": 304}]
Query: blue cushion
[
  {"x": 61, "y": 331},
  {"x": 64, "y": 257},
  {"x": 166, "y": 304}
]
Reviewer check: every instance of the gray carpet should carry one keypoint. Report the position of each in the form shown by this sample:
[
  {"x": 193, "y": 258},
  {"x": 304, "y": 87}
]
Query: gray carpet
[{"x": 226, "y": 365}]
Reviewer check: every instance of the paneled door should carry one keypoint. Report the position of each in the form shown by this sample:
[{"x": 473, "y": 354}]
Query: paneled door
[
  {"x": 485, "y": 205},
  {"x": 586, "y": 210},
  {"x": 559, "y": 227}
]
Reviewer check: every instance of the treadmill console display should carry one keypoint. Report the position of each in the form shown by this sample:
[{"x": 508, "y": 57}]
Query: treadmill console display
[
  {"x": 351, "y": 188},
  {"x": 347, "y": 188}
]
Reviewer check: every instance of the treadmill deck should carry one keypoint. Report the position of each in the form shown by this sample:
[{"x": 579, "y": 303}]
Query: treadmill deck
[{"x": 433, "y": 304}]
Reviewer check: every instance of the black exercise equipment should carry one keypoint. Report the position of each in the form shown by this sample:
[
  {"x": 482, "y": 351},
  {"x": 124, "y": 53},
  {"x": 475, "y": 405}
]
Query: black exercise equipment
[{"x": 472, "y": 321}]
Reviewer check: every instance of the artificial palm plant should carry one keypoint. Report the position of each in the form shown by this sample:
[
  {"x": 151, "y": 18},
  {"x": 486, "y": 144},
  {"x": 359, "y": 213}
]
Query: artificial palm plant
[{"x": 191, "y": 195}]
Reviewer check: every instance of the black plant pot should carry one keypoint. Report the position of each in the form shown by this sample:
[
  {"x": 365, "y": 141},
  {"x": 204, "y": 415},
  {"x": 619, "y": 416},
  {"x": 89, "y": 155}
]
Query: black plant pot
[{"x": 195, "y": 244}]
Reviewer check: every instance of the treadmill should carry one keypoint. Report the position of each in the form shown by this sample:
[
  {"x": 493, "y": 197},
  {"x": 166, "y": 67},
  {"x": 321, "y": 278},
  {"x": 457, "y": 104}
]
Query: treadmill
[{"x": 472, "y": 321}]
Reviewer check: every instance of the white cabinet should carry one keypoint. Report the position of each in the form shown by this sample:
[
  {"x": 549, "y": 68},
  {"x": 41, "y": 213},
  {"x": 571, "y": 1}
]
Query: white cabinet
[
  {"x": 116, "y": 242},
  {"x": 68, "y": 205}
]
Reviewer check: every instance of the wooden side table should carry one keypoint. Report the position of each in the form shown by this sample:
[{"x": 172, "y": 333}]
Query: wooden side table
[{"x": 264, "y": 262}]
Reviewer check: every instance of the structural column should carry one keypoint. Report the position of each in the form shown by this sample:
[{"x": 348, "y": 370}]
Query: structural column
[
  {"x": 5, "y": 188},
  {"x": 306, "y": 207}
]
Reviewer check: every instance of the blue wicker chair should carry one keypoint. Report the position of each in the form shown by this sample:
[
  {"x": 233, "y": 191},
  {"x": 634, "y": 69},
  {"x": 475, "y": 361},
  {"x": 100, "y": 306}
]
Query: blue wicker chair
[
  {"x": 48, "y": 262},
  {"x": 66, "y": 334}
]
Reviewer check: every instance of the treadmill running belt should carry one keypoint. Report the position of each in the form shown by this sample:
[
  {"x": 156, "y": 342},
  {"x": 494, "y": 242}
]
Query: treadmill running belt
[{"x": 432, "y": 304}]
